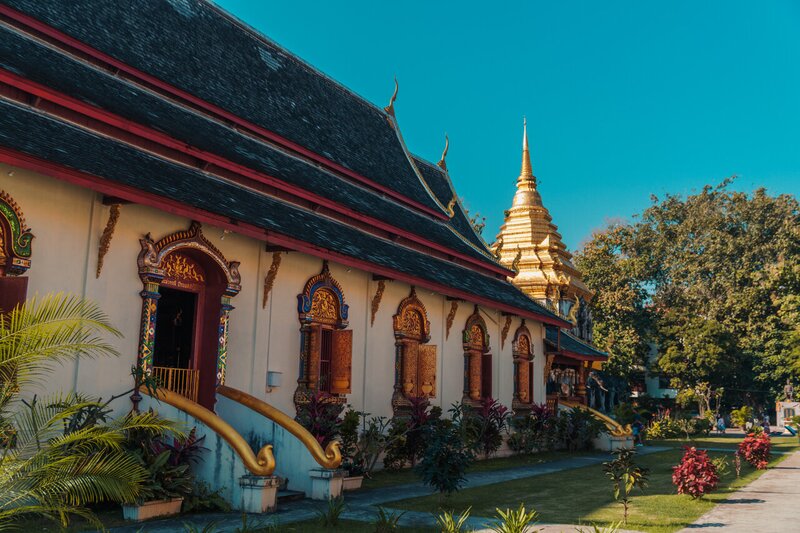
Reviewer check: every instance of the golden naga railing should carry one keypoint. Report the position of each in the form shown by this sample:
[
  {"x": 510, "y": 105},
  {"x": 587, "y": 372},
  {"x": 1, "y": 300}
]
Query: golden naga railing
[
  {"x": 184, "y": 381},
  {"x": 330, "y": 457},
  {"x": 262, "y": 464},
  {"x": 615, "y": 429}
]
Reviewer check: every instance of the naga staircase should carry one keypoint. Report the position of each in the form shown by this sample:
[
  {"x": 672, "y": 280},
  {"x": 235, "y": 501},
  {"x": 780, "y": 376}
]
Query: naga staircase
[
  {"x": 252, "y": 449},
  {"x": 616, "y": 435}
]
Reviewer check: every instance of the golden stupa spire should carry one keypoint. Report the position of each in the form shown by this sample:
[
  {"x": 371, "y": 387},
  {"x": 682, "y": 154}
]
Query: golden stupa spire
[
  {"x": 526, "y": 171},
  {"x": 527, "y": 195}
]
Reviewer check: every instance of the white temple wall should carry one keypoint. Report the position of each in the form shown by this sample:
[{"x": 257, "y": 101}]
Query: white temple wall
[{"x": 67, "y": 222}]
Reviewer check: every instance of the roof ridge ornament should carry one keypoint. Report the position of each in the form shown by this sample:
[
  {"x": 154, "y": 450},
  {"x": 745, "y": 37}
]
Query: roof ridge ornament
[
  {"x": 442, "y": 163},
  {"x": 390, "y": 108}
]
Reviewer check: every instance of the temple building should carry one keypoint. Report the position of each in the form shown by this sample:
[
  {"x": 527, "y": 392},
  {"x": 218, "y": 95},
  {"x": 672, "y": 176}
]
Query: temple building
[
  {"x": 259, "y": 234},
  {"x": 529, "y": 244}
]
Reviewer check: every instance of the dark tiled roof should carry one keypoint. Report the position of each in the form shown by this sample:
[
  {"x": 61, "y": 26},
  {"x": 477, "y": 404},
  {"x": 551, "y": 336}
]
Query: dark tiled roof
[
  {"x": 28, "y": 130},
  {"x": 571, "y": 344},
  {"x": 440, "y": 184},
  {"x": 197, "y": 48},
  {"x": 44, "y": 65}
]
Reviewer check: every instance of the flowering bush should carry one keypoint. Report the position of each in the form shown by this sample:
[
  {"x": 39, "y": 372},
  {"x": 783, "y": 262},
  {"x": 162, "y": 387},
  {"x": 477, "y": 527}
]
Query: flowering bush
[
  {"x": 696, "y": 474},
  {"x": 321, "y": 416},
  {"x": 755, "y": 449},
  {"x": 486, "y": 425}
]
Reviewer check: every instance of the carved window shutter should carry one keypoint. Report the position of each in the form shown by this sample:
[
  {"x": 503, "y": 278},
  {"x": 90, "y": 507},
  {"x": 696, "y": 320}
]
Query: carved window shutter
[
  {"x": 427, "y": 370},
  {"x": 13, "y": 291},
  {"x": 341, "y": 361},
  {"x": 410, "y": 367},
  {"x": 314, "y": 350}
]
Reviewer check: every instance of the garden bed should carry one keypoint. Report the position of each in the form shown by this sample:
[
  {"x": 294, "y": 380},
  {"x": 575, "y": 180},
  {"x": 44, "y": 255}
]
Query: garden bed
[{"x": 658, "y": 509}]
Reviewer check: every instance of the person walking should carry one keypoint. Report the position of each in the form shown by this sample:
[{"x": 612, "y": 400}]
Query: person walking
[{"x": 721, "y": 425}]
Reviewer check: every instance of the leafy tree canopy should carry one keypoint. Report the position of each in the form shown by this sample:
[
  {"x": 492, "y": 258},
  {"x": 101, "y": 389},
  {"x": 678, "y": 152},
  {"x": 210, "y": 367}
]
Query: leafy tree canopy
[{"x": 712, "y": 279}]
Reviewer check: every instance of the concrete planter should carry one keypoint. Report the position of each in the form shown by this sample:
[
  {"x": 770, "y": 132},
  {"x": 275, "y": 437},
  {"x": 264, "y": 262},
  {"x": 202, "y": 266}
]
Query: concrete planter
[
  {"x": 352, "y": 483},
  {"x": 153, "y": 509}
]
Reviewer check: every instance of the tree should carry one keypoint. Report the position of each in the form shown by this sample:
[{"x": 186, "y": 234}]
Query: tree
[
  {"x": 625, "y": 475},
  {"x": 59, "y": 453},
  {"x": 716, "y": 276}
]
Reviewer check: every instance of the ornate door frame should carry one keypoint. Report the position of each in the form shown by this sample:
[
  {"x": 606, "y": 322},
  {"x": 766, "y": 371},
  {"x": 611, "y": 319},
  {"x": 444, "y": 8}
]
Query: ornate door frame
[
  {"x": 412, "y": 332},
  {"x": 153, "y": 265},
  {"x": 475, "y": 338}
]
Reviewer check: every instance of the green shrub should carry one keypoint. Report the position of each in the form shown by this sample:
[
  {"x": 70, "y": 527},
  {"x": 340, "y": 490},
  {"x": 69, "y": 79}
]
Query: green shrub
[
  {"x": 577, "y": 428},
  {"x": 386, "y": 520},
  {"x": 330, "y": 515},
  {"x": 406, "y": 438},
  {"x": 534, "y": 431},
  {"x": 625, "y": 475},
  {"x": 446, "y": 457},
  {"x": 624, "y": 413},
  {"x": 449, "y": 523},
  {"x": 741, "y": 416},
  {"x": 514, "y": 521},
  {"x": 663, "y": 428},
  {"x": 485, "y": 425}
]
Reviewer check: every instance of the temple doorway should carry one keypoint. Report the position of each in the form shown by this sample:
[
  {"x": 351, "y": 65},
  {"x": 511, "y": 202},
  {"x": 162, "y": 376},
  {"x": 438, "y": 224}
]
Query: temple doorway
[
  {"x": 188, "y": 285},
  {"x": 174, "y": 361}
]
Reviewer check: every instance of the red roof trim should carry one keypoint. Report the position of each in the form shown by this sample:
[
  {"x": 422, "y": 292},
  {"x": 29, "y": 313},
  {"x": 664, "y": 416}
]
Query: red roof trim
[
  {"x": 96, "y": 183},
  {"x": 209, "y": 107},
  {"x": 165, "y": 140}
]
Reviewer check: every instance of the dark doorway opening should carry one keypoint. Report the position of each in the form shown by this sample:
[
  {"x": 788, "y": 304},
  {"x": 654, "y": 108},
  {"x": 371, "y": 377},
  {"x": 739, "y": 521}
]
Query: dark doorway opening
[
  {"x": 486, "y": 375},
  {"x": 175, "y": 329}
]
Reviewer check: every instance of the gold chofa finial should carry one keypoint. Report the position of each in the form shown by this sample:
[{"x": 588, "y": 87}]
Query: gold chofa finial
[
  {"x": 442, "y": 164},
  {"x": 390, "y": 108},
  {"x": 527, "y": 171}
]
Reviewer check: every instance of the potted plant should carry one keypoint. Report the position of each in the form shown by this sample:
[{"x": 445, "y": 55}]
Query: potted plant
[{"x": 169, "y": 477}]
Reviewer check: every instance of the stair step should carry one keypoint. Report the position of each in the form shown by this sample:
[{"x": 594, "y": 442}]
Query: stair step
[{"x": 290, "y": 495}]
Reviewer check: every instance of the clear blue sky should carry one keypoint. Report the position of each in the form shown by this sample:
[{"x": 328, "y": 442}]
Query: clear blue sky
[{"x": 623, "y": 99}]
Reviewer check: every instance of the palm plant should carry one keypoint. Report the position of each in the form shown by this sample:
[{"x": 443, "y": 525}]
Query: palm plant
[{"x": 54, "y": 458}]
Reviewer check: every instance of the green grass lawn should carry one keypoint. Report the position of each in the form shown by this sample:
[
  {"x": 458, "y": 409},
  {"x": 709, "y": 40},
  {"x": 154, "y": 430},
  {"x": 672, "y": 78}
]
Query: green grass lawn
[
  {"x": 584, "y": 495},
  {"x": 349, "y": 526},
  {"x": 385, "y": 478},
  {"x": 779, "y": 444}
]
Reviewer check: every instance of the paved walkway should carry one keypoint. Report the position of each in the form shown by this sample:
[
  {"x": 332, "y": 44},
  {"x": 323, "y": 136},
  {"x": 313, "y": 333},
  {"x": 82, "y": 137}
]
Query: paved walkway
[
  {"x": 767, "y": 504},
  {"x": 363, "y": 504}
]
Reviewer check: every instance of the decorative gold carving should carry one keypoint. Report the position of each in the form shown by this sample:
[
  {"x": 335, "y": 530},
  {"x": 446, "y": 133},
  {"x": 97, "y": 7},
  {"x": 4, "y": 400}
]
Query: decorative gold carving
[
  {"x": 475, "y": 369},
  {"x": 498, "y": 251},
  {"x": 573, "y": 313},
  {"x": 451, "y": 316},
  {"x": 442, "y": 163},
  {"x": 324, "y": 306},
  {"x": 15, "y": 241},
  {"x": 330, "y": 457},
  {"x": 179, "y": 267},
  {"x": 411, "y": 320},
  {"x": 427, "y": 370},
  {"x": 612, "y": 426},
  {"x": 517, "y": 258},
  {"x": 341, "y": 361},
  {"x": 524, "y": 346},
  {"x": 523, "y": 377},
  {"x": 390, "y": 108},
  {"x": 154, "y": 253},
  {"x": 504, "y": 333},
  {"x": 410, "y": 365},
  {"x": 476, "y": 335},
  {"x": 269, "y": 280},
  {"x": 308, "y": 305},
  {"x": 451, "y": 207},
  {"x": 108, "y": 234},
  {"x": 548, "y": 364},
  {"x": 376, "y": 301}
]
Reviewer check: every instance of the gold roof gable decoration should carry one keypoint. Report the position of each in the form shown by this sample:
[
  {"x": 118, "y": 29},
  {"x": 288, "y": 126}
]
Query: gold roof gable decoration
[{"x": 529, "y": 240}]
